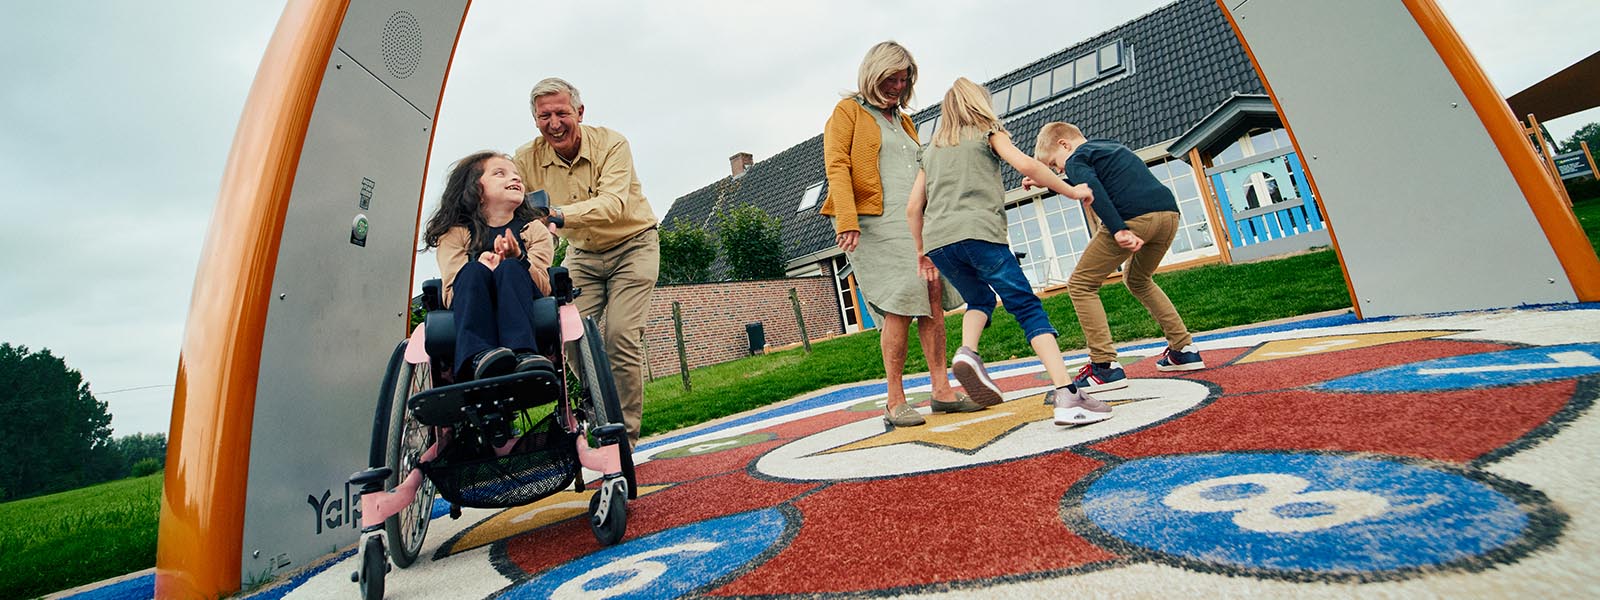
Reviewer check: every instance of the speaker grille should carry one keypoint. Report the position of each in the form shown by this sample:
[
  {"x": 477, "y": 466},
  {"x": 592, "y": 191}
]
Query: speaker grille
[{"x": 402, "y": 44}]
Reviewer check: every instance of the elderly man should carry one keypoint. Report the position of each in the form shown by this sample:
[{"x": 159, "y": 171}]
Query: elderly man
[{"x": 613, "y": 252}]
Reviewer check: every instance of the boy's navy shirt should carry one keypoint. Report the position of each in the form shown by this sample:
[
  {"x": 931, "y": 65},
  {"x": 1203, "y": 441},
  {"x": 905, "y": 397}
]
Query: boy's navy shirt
[{"x": 1123, "y": 186}]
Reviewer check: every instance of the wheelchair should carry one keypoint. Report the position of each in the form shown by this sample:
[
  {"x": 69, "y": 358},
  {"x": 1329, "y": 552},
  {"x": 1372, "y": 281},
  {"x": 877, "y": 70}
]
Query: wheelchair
[{"x": 479, "y": 443}]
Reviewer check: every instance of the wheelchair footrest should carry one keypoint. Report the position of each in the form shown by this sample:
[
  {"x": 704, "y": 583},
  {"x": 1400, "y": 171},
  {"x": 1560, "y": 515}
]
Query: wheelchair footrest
[{"x": 452, "y": 404}]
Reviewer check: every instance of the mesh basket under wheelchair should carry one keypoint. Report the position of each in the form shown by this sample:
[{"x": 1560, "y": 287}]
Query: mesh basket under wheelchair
[{"x": 542, "y": 463}]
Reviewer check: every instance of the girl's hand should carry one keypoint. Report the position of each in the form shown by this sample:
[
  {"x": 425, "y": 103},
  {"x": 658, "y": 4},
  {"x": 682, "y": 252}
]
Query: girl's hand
[
  {"x": 490, "y": 259},
  {"x": 925, "y": 268},
  {"x": 1085, "y": 195},
  {"x": 506, "y": 246},
  {"x": 847, "y": 241}
]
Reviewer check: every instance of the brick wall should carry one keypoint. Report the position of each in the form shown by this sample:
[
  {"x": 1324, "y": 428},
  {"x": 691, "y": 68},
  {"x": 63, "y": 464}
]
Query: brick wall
[{"x": 715, "y": 314}]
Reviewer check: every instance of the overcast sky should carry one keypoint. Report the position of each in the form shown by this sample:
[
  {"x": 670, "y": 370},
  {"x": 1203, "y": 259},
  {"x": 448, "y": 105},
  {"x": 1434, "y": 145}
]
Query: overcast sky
[{"x": 119, "y": 116}]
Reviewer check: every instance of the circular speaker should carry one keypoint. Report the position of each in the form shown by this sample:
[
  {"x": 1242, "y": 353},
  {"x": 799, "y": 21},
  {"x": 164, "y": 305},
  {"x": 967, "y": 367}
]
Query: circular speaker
[{"x": 402, "y": 44}]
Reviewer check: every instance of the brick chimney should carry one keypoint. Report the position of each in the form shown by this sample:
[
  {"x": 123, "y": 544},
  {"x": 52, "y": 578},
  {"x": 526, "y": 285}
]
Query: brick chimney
[{"x": 739, "y": 162}]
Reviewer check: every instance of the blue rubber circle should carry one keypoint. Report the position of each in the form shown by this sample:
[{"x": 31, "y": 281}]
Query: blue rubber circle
[
  {"x": 1305, "y": 513},
  {"x": 668, "y": 564}
]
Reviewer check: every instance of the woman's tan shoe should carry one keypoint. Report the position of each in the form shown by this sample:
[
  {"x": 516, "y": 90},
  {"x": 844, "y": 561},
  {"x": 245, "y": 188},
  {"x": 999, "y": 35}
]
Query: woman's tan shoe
[
  {"x": 962, "y": 404},
  {"x": 902, "y": 415}
]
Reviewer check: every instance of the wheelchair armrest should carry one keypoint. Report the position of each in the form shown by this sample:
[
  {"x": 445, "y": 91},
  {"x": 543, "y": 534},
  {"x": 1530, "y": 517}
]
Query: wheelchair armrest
[
  {"x": 432, "y": 295},
  {"x": 547, "y": 325},
  {"x": 440, "y": 331},
  {"x": 561, "y": 285}
]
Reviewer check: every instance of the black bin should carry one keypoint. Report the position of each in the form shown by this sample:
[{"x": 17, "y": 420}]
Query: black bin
[{"x": 757, "y": 334}]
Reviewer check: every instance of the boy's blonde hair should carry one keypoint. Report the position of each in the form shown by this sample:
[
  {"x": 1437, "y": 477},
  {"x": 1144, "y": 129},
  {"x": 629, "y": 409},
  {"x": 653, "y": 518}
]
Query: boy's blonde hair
[
  {"x": 965, "y": 112},
  {"x": 1052, "y": 133},
  {"x": 883, "y": 60}
]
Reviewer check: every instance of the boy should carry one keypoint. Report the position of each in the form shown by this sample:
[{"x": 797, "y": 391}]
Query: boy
[{"x": 1138, "y": 219}]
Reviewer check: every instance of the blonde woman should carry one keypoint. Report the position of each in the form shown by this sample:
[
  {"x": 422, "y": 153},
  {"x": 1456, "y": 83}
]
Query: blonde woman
[
  {"x": 961, "y": 196},
  {"x": 872, "y": 154}
]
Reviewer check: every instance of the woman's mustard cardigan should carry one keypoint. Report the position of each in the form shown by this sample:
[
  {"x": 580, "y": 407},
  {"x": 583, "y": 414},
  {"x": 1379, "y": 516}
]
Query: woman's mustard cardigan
[{"x": 850, "y": 144}]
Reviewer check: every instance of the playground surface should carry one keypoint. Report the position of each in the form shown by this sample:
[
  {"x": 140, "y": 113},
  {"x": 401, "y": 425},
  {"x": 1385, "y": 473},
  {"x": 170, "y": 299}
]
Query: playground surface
[{"x": 1445, "y": 455}]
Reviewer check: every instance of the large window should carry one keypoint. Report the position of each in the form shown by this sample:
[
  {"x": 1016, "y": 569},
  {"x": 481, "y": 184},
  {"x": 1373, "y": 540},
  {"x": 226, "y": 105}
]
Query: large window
[
  {"x": 1194, "y": 228},
  {"x": 1061, "y": 79},
  {"x": 1019, "y": 95},
  {"x": 999, "y": 101},
  {"x": 1075, "y": 73},
  {"x": 1051, "y": 233}
]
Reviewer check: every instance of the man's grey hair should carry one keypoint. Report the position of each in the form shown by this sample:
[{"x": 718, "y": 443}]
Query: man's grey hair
[{"x": 554, "y": 85}]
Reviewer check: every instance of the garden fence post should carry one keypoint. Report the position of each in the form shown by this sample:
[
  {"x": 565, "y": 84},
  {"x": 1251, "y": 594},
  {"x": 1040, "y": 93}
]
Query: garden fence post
[
  {"x": 800, "y": 318},
  {"x": 683, "y": 356}
]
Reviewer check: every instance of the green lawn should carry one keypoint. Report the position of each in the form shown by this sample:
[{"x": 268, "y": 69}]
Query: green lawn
[
  {"x": 82, "y": 536},
  {"x": 1588, "y": 212}
]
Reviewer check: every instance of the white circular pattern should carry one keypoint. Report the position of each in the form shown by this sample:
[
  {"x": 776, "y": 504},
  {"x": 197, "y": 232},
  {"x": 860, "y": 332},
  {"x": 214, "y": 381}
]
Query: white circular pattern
[{"x": 802, "y": 459}]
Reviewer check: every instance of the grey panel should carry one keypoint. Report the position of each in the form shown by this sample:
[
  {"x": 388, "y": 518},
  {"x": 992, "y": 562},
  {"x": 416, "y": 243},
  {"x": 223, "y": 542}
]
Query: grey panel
[
  {"x": 338, "y": 306},
  {"x": 404, "y": 43},
  {"x": 1280, "y": 246},
  {"x": 1426, "y": 211}
]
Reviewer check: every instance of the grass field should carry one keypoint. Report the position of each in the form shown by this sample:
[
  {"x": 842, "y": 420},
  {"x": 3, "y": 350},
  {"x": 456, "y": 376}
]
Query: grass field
[
  {"x": 68, "y": 539},
  {"x": 82, "y": 536}
]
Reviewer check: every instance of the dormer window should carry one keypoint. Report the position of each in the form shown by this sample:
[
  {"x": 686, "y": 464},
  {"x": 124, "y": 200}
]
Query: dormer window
[{"x": 812, "y": 195}]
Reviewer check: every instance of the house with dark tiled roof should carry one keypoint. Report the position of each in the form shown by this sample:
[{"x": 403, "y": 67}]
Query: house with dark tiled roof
[{"x": 1174, "y": 85}]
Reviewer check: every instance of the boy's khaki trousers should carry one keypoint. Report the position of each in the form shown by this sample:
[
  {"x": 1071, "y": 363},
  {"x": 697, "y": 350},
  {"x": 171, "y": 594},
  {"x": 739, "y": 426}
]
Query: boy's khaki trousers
[{"x": 1101, "y": 258}]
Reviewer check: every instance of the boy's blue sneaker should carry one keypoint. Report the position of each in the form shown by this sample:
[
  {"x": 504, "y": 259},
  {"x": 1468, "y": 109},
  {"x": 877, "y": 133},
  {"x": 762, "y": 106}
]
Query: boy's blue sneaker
[
  {"x": 1095, "y": 378},
  {"x": 1187, "y": 359}
]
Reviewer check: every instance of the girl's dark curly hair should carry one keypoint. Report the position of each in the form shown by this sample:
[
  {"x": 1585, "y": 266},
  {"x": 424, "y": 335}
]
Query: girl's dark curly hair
[{"x": 459, "y": 204}]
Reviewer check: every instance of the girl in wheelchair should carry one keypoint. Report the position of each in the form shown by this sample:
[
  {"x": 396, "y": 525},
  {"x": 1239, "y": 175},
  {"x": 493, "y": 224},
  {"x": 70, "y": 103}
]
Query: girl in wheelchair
[{"x": 494, "y": 253}]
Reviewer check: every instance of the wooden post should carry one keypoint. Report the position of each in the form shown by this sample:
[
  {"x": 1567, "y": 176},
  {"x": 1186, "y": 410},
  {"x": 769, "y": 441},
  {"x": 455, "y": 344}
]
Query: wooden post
[
  {"x": 644, "y": 340},
  {"x": 1589, "y": 156},
  {"x": 800, "y": 318},
  {"x": 1549, "y": 158},
  {"x": 683, "y": 357}
]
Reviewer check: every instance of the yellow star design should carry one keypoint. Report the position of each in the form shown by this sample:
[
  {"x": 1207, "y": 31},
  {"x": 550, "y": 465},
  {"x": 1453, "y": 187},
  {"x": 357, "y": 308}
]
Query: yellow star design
[{"x": 966, "y": 432}]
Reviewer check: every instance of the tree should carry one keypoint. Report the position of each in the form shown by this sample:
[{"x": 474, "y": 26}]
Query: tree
[
  {"x": 687, "y": 251},
  {"x": 751, "y": 243},
  {"x": 141, "y": 447},
  {"x": 1588, "y": 133},
  {"x": 54, "y": 434}
]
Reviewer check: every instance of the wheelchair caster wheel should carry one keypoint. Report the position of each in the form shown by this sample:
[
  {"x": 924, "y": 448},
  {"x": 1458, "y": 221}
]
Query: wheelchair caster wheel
[
  {"x": 608, "y": 512},
  {"x": 374, "y": 565}
]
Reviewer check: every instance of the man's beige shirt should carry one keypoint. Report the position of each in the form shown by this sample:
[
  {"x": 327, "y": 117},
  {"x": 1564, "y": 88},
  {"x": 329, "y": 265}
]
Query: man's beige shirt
[{"x": 598, "y": 193}]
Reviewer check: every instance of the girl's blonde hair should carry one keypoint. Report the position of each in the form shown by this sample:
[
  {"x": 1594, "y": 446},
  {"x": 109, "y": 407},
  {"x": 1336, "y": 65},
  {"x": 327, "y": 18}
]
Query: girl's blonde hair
[
  {"x": 883, "y": 60},
  {"x": 965, "y": 113}
]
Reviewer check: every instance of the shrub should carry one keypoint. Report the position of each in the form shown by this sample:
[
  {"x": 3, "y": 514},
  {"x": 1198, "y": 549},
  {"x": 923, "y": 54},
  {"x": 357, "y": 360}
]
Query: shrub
[{"x": 146, "y": 466}]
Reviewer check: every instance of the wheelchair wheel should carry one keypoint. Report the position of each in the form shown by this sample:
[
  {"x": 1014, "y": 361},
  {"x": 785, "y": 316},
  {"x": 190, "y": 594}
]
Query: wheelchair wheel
[
  {"x": 373, "y": 568},
  {"x": 600, "y": 391},
  {"x": 594, "y": 374},
  {"x": 407, "y": 439}
]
